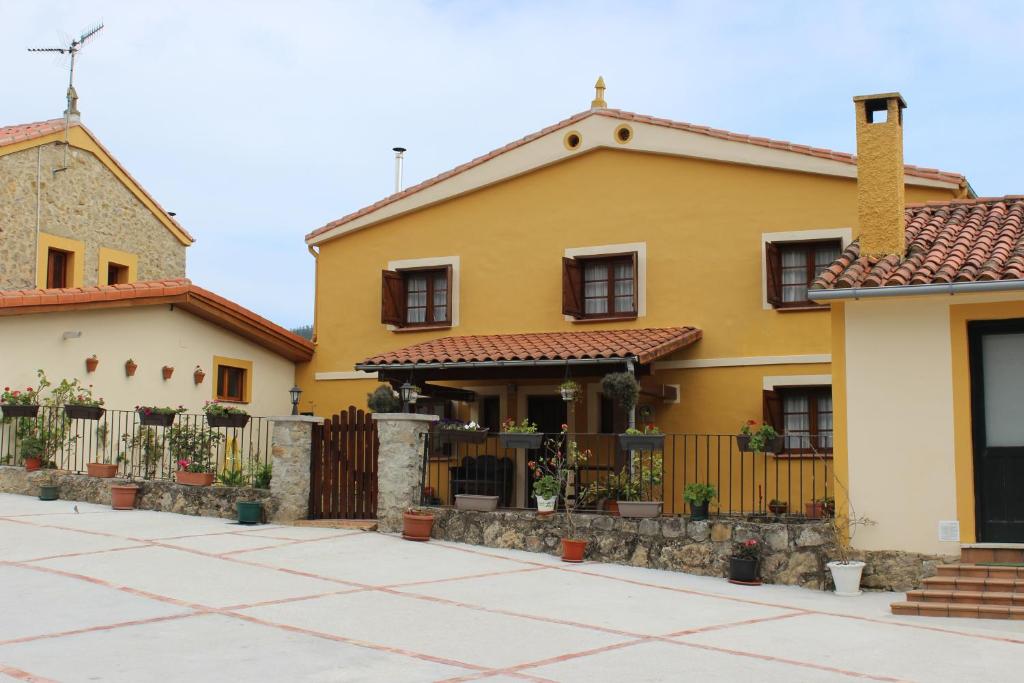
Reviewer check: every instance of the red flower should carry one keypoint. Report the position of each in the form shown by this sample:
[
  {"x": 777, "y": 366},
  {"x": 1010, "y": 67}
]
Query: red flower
[
  {"x": 565, "y": 427},
  {"x": 751, "y": 422}
]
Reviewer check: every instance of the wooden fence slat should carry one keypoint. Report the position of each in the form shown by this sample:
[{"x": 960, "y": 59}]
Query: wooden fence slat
[{"x": 343, "y": 467}]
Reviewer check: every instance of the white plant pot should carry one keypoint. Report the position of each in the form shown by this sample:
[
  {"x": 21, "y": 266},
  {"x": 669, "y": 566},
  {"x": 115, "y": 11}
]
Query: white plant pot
[
  {"x": 847, "y": 577},
  {"x": 546, "y": 504}
]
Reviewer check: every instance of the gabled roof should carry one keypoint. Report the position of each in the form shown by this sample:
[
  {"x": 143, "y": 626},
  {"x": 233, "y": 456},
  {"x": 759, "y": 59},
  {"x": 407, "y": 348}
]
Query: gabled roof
[
  {"x": 44, "y": 132},
  {"x": 640, "y": 345},
  {"x": 180, "y": 292},
  {"x": 802, "y": 158},
  {"x": 960, "y": 241}
]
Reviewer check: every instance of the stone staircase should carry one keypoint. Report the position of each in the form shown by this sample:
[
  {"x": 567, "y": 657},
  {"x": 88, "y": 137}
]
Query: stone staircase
[{"x": 972, "y": 589}]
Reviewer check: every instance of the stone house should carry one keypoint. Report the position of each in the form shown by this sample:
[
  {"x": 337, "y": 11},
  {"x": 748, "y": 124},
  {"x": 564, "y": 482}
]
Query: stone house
[{"x": 72, "y": 216}]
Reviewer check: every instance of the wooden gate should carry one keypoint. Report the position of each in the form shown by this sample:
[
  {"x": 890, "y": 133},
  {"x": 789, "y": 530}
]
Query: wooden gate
[{"x": 343, "y": 467}]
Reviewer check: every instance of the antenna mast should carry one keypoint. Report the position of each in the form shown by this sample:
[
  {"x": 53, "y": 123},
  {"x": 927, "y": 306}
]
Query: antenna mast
[{"x": 72, "y": 50}]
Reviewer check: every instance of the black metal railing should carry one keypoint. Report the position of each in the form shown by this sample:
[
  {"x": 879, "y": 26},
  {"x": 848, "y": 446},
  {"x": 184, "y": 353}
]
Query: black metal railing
[
  {"x": 144, "y": 451},
  {"x": 746, "y": 483}
]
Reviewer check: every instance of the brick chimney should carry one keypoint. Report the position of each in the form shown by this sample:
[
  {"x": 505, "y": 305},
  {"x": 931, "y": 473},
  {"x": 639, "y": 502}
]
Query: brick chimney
[{"x": 880, "y": 195}]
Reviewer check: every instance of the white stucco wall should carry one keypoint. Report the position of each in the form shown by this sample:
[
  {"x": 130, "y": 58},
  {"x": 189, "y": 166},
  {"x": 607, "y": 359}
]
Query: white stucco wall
[{"x": 153, "y": 336}]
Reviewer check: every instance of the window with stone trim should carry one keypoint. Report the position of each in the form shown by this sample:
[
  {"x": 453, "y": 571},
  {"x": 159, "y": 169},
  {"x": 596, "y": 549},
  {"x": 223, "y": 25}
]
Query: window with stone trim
[{"x": 791, "y": 267}]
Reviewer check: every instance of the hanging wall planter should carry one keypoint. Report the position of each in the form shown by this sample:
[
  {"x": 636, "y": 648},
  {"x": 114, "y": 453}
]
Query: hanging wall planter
[
  {"x": 447, "y": 436},
  {"x": 641, "y": 442},
  {"x": 526, "y": 440},
  {"x": 91, "y": 363},
  {"x": 151, "y": 418},
  {"x": 130, "y": 367},
  {"x": 79, "y": 412},
  {"x": 167, "y": 371},
  {"x": 20, "y": 409},
  {"x": 198, "y": 375}
]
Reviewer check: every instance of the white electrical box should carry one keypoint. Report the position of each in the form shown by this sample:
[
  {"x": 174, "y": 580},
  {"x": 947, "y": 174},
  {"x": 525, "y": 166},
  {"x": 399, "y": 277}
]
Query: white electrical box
[{"x": 949, "y": 531}]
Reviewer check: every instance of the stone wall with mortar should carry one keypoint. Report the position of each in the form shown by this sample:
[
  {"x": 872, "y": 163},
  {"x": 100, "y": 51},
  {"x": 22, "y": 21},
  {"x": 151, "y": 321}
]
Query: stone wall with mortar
[
  {"x": 795, "y": 552},
  {"x": 87, "y": 203},
  {"x": 291, "y": 441},
  {"x": 164, "y": 496},
  {"x": 399, "y": 465}
]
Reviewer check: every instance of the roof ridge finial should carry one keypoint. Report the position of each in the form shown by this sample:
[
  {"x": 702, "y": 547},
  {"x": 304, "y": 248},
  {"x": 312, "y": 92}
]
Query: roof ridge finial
[{"x": 598, "y": 102}]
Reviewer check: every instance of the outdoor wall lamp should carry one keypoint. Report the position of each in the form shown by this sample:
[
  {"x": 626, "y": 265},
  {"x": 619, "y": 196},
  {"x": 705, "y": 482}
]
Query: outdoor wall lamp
[
  {"x": 408, "y": 394},
  {"x": 295, "y": 392}
]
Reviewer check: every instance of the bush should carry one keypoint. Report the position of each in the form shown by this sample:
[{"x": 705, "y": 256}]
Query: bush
[
  {"x": 698, "y": 494},
  {"x": 384, "y": 400},
  {"x": 622, "y": 388}
]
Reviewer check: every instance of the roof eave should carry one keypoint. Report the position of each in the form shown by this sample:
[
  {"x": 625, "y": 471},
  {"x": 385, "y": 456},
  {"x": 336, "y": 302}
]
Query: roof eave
[{"x": 976, "y": 287}]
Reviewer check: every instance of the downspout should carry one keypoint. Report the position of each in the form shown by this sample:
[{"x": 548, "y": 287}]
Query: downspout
[
  {"x": 632, "y": 413},
  {"x": 39, "y": 191},
  {"x": 316, "y": 287}
]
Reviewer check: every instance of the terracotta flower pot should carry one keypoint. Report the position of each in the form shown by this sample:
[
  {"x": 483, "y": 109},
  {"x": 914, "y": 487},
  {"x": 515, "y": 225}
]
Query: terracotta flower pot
[
  {"x": 778, "y": 508},
  {"x": 572, "y": 551},
  {"x": 122, "y": 496},
  {"x": 198, "y": 376},
  {"x": 611, "y": 507},
  {"x": 193, "y": 478},
  {"x": 129, "y": 368},
  {"x": 91, "y": 363},
  {"x": 416, "y": 526},
  {"x": 101, "y": 470},
  {"x": 167, "y": 371},
  {"x": 32, "y": 463}
]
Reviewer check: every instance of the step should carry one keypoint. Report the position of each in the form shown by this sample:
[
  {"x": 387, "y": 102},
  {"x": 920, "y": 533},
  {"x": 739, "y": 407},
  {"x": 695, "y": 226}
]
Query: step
[
  {"x": 966, "y": 597},
  {"x": 980, "y": 571},
  {"x": 992, "y": 552},
  {"x": 962, "y": 610},
  {"x": 962, "y": 583}
]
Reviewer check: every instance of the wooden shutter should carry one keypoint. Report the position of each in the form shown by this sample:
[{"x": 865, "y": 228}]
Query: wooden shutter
[
  {"x": 392, "y": 298},
  {"x": 773, "y": 273},
  {"x": 572, "y": 287},
  {"x": 636, "y": 284},
  {"x": 773, "y": 415}
]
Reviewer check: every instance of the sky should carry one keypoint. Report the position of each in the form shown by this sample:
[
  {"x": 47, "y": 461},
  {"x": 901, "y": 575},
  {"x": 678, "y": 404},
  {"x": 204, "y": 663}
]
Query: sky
[{"x": 258, "y": 122}]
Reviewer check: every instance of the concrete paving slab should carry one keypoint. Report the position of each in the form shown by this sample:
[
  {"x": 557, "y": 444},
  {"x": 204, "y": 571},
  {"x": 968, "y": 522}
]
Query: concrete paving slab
[
  {"x": 216, "y": 544},
  {"x": 19, "y": 542},
  {"x": 557, "y": 594},
  {"x": 11, "y": 506},
  {"x": 214, "y": 648},
  {"x": 298, "y": 533},
  {"x": 477, "y": 637},
  {"x": 37, "y": 603},
  {"x": 191, "y": 578},
  {"x": 144, "y": 524}
]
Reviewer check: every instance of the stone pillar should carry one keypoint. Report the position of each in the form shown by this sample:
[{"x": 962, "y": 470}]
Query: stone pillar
[
  {"x": 399, "y": 465},
  {"x": 290, "y": 445}
]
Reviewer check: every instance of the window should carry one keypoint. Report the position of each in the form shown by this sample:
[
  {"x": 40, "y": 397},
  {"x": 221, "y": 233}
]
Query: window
[
  {"x": 117, "y": 267},
  {"x": 58, "y": 268},
  {"x": 792, "y": 266},
  {"x": 417, "y": 297},
  {"x": 230, "y": 383},
  {"x": 490, "y": 413},
  {"x": 600, "y": 286},
  {"x": 805, "y": 417},
  {"x": 117, "y": 274}
]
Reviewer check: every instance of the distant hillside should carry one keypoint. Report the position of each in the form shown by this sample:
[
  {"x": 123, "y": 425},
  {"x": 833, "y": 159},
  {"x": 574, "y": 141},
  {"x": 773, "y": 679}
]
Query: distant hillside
[{"x": 305, "y": 331}]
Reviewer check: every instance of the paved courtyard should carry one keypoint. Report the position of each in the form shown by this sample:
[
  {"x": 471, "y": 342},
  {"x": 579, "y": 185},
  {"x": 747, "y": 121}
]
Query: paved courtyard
[{"x": 100, "y": 595}]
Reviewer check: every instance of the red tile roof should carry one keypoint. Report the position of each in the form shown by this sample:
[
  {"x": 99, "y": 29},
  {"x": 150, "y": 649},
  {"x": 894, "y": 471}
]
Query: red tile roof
[
  {"x": 963, "y": 240},
  {"x": 180, "y": 292},
  {"x": 644, "y": 345},
  {"x": 917, "y": 171}
]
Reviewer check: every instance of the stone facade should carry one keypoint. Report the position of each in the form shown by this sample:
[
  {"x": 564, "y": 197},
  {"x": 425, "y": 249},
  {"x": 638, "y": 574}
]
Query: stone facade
[
  {"x": 86, "y": 202},
  {"x": 165, "y": 496},
  {"x": 399, "y": 465},
  {"x": 291, "y": 444}
]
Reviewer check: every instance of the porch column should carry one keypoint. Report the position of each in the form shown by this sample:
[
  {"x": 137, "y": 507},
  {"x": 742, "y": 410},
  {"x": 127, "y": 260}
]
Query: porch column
[
  {"x": 399, "y": 465},
  {"x": 290, "y": 445}
]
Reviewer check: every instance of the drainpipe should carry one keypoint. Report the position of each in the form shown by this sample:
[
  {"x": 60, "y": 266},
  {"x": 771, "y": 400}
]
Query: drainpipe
[
  {"x": 316, "y": 290},
  {"x": 632, "y": 413},
  {"x": 39, "y": 191},
  {"x": 916, "y": 290}
]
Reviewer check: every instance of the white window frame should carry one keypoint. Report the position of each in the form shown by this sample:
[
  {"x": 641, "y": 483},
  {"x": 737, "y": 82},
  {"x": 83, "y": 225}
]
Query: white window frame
[
  {"x": 439, "y": 262},
  {"x": 844, "y": 235},
  {"x": 641, "y": 270}
]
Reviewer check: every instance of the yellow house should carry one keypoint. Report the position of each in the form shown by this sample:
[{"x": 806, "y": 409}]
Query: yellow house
[{"x": 608, "y": 242}]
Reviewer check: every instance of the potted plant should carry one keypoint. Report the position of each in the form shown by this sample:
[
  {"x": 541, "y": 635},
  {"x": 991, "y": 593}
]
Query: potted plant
[
  {"x": 167, "y": 371},
  {"x": 640, "y": 494},
  {"x": 156, "y": 416},
  {"x": 759, "y": 437},
  {"x": 32, "y": 452},
  {"x": 84, "y": 406},
  {"x": 198, "y": 375},
  {"x": 191, "y": 447},
  {"x": 48, "y": 489},
  {"x": 101, "y": 470},
  {"x": 521, "y": 435},
  {"x": 560, "y": 458},
  {"x": 454, "y": 431},
  {"x": 251, "y": 511},
  {"x": 846, "y": 571},
  {"x": 141, "y": 450},
  {"x": 417, "y": 524},
  {"x": 744, "y": 564},
  {"x": 16, "y": 403},
  {"x": 218, "y": 415},
  {"x": 130, "y": 367},
  {"x": 622, "y": 388},
  {"x": 384, "y": 399},
  {"x": 569, "y": 390},
  {"x": 778, "y": 507},
  {"x": 91, "y": 363},
  {"x": 545, "y": 489},
  {"x": 646, "y": 438},
  {"x": 820, "y": 508},
  {"x": 699, "y": 496}
]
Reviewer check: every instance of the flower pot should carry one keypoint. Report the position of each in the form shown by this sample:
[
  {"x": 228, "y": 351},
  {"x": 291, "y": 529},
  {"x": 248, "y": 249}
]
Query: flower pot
[
  {"x": 641, "y": 442},
  {"x": 91, "y": 363},
  {"x": 699, "y": 511},
  {"x": 193, "y": 478},
  {"x": 744, "y": 571},
  {"x": 572, "y": 551},
  {"x": 776, "y": 444},
  {"x": 130, "y": 368},
  {"x": 778, "y": 508},
  {"x": 48, "y": 492},
  {"x": 32, "y": 463},
  {"x": 230, "y": 420},
  {"x": 249, "y": 512},
  {"x": 818, "y": 510},
  {"x": 568, "y": 394},
  {"x": 20, "y": 410},
  {"x": 101, "y": 470},
  {"x": 156, "y": 419},
  {"x": 122, "y": 496},
  {"x": 464, "y": 501},
  {"x": 846, "y": 576},
  {"x": 416, "y": 526},
  {"x": 611, "y": 507},
  {"x": 198, "y": 376},
  {"x": 520, "y": 439},
  {"x": 446, "y": 436},
  {"x": 84, "y": 412},
  {"x": 743, "y": 441},
  {"x": 546, "y": 505},
  {"x": 639, "y": 509},
  {"x": 167, "y": 371}
]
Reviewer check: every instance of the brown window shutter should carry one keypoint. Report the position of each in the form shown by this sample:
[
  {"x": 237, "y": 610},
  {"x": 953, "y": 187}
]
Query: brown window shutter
[
  {"x": 772, "y": 404},
  {"x": 773, "y": 272},
  {"x": 636, "y": 285},
  {"x": 572, "y": 287},
  {"x": 392, "y": 300},
  {"x": 449, "y": 290}
]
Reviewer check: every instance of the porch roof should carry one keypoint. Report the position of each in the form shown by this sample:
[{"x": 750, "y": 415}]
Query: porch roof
[{"x": 537, "y": 348}]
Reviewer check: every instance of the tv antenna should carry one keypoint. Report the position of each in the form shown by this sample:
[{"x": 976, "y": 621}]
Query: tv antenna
[{"x": 72, "y": 49}]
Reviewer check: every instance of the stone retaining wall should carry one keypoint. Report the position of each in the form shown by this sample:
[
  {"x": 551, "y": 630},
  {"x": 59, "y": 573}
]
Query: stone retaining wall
[
  {"x": 165, "y": 496},
  {"x": 795, "y": 551}
]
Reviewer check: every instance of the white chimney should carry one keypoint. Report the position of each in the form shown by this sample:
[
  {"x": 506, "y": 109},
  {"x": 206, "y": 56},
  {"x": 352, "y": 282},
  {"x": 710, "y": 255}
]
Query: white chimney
[{"x": 399, "y": 156}]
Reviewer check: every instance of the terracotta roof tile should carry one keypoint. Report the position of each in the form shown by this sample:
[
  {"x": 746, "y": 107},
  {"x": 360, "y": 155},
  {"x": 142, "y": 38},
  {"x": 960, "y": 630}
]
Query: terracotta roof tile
[
  {"x": 644, "y": 345},
  {"x": 963, "y": 240}
]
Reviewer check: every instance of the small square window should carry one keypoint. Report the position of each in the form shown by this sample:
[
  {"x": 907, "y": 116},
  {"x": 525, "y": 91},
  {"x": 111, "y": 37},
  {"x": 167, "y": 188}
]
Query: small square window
[
  {"x": 58, "y": 268},
  {"x": 807, "y": 418},
  {"x": 792, "y": 268},
  {"x": 117, "y": 274},
  {"x": 600, "y": 286},
  {"x": 417, "y": 297},
  {"x": 231, "y": 383}
]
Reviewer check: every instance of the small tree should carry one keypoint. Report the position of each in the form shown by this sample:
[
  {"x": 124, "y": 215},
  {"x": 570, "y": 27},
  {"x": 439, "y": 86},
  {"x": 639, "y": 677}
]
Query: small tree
[{"x": 383, "y": 399}]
